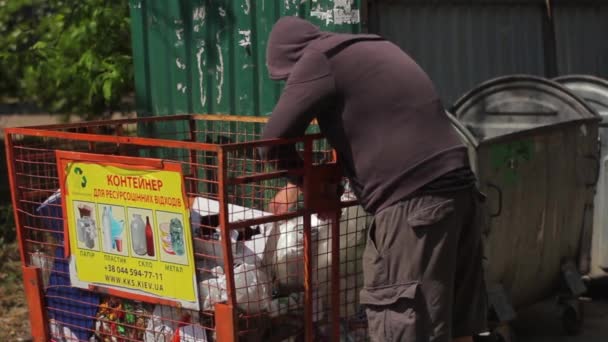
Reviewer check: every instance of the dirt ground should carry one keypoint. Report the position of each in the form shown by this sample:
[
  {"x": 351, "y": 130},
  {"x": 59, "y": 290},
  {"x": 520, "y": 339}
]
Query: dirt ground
[{"x": 14, "y": 320}]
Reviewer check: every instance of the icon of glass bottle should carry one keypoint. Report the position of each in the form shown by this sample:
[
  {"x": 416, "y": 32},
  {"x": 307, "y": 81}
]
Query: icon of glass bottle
[
  {"x": 138, "y": 235},
  {"x": 149, "y": 238}
]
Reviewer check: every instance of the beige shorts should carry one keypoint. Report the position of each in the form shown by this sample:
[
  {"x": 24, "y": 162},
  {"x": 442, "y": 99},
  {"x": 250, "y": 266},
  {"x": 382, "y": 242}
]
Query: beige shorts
[{"x": 422, "y": 268}]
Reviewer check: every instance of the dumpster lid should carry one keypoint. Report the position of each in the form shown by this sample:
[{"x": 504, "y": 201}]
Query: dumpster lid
[
  {"x": 511, "y": 104},
  {"x": 593, "y": 90}
]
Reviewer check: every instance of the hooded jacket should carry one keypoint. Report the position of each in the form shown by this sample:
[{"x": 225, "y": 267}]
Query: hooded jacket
[{"x": 376, "y": 107}]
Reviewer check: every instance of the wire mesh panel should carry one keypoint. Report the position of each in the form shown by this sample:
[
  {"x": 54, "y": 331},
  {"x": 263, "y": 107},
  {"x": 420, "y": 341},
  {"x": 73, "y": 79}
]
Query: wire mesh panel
[{"x": 294, "y": 276}]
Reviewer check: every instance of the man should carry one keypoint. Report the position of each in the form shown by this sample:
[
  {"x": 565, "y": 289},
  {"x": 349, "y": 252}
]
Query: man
[{"x": 423, "y": 279}]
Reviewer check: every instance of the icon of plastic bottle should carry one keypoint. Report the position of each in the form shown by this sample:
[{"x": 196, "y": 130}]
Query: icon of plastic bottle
[
  {"x": 138, "y": 235},
  {"x": 149, "y": 238},
  {"x": 177, "y": 236},
  {"x": 106, "y": 225}
]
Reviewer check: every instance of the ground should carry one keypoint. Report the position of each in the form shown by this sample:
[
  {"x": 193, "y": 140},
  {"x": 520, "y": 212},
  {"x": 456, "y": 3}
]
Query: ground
[
  {"x": 14, "y": 322},
  {"x": 542, "y": 323}
]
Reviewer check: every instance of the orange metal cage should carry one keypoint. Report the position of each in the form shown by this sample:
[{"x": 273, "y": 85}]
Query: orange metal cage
[{"x": 261, "y": 277}]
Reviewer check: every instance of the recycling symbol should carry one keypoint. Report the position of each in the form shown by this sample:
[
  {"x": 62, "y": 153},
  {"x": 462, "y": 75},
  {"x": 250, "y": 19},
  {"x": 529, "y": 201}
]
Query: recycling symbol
[{"x": 83, "y": 182}]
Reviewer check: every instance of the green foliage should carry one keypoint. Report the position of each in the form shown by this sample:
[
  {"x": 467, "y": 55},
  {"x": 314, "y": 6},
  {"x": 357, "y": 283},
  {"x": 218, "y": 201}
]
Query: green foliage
[
  {"x": 7, "y": 224},
  {"x": 69, "y": 56},
  {"x": 18, "y": 21}
]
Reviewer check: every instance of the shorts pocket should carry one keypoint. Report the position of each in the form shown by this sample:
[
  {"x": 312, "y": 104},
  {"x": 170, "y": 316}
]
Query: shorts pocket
[
  {"x": 428, "y": 210},
  {"x": 397, "y": 313},
  {"x": 374, "y": 270}
]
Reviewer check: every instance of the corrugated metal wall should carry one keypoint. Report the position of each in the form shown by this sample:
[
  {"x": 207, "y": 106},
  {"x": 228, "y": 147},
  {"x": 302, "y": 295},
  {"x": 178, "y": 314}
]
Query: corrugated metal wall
[
  {"x": 462, "y": 43},
  {"x": 208, "y": 56},
  {"x": 581, "y": 31}
]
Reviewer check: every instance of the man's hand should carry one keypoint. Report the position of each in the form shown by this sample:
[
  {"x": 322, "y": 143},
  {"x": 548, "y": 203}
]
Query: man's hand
[
  {"x": 288, "y": 196},
  {"x": 330, "y": 192},
  {"x": 284, "y": 199}
]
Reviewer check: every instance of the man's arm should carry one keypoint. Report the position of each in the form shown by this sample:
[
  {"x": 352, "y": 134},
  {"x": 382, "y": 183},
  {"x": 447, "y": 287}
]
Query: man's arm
[{"x": 309, "y": 85}]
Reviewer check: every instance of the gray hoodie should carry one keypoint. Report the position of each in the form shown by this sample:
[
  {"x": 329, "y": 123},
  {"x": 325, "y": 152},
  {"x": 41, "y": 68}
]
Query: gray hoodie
[{"x": 374, "y": 104}]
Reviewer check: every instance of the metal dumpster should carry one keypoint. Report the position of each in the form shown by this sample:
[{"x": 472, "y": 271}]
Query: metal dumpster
[
  {"x": 533, "y": 146},
  {"x": 594, "y": 91}
]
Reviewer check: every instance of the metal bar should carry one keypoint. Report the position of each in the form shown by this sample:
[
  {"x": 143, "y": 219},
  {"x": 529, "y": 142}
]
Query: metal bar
[
  {"x": 549, "y": 41},
  {"x": 308, "y": 307},
  {"x": 32, "y": 283},
  {"x": 193, "y": 157},
  {"x": 270, "y": 142},
  {"x": 268, "y": 219},
  {"x": 91, "y": 143},
  {"x": 154, "y": 142},
  {"x": 365, "y": 16},
  {"x": 236, "y": 118},
  {"x": 10, "y": 159},
  {"x": 263, "y": 176},
  {"x": 522, "y": 113},
  {"x": 335, "y": 275},
  {"x": 199, "y": 117},
  {"x": 31, "y": 194},
  {"x": 231, "y": 118},
  {"x": 120, "y": 132},
  {"x": 225, "y": 328},
  {"x": 134, "y": 296},
  {"x": 225, "y": 234},
  {"x": 107, "y": 122}
]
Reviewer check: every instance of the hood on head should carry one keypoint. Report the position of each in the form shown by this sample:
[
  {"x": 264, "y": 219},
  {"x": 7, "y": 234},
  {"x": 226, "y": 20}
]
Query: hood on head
[{"x": 288, "y": 38}]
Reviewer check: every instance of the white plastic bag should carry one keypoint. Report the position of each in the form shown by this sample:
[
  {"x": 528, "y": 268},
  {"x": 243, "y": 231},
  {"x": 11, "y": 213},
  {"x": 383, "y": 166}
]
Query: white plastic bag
[
  {"x": 192, "y": 333},
  {"x": 287, "y": 256},
  {"x": 61, "y": 333},
  {"x": 353, "y": 224},
  {"x": 252, "y": 289},
  {"x": 213, "y": 291},
  {"x": 45, "y": 263},
  {"x": 164, "y": 322},
  {"x": 287, "y": 265}
]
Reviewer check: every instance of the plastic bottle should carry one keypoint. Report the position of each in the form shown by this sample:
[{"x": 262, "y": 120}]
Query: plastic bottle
[
  {"x": 149, "y": 238},
  {"x": 177, "y": 236},
  {"x": 138, "y": 235},
  {"x": 106, "y": 225}
]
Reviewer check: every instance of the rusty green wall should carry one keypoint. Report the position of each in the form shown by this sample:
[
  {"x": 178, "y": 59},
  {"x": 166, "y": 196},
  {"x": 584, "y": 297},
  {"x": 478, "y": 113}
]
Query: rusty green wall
[{"x": 208, "y": 56}]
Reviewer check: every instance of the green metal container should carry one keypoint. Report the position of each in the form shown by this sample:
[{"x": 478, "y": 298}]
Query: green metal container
[{"x": 208, "y": 56}]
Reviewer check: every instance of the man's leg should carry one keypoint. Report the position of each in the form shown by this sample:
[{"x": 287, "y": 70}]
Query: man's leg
[{"x": 409, "y": 265}]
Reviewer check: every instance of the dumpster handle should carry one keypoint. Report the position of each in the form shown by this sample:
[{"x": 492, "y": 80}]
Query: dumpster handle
[
  {"x": 597, "y": 163},
  {"x": 499, "y": 192}
]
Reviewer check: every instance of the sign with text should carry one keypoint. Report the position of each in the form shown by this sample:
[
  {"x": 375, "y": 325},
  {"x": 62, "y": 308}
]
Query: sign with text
[{"x": 128, "y": 225}]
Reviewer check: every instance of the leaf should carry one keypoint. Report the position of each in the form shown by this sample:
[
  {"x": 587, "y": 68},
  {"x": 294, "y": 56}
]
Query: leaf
[
  {"x": 87, "y": 60},
  {"x": 107, "y": 89},
  {"x": 15, "y": 34},
  {"x": 39, "y": 45},
  {"x": 51, "y": 53}
]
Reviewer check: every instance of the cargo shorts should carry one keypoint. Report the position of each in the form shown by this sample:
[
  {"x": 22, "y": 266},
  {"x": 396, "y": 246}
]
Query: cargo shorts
[{"x": 422, "y": 269}]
